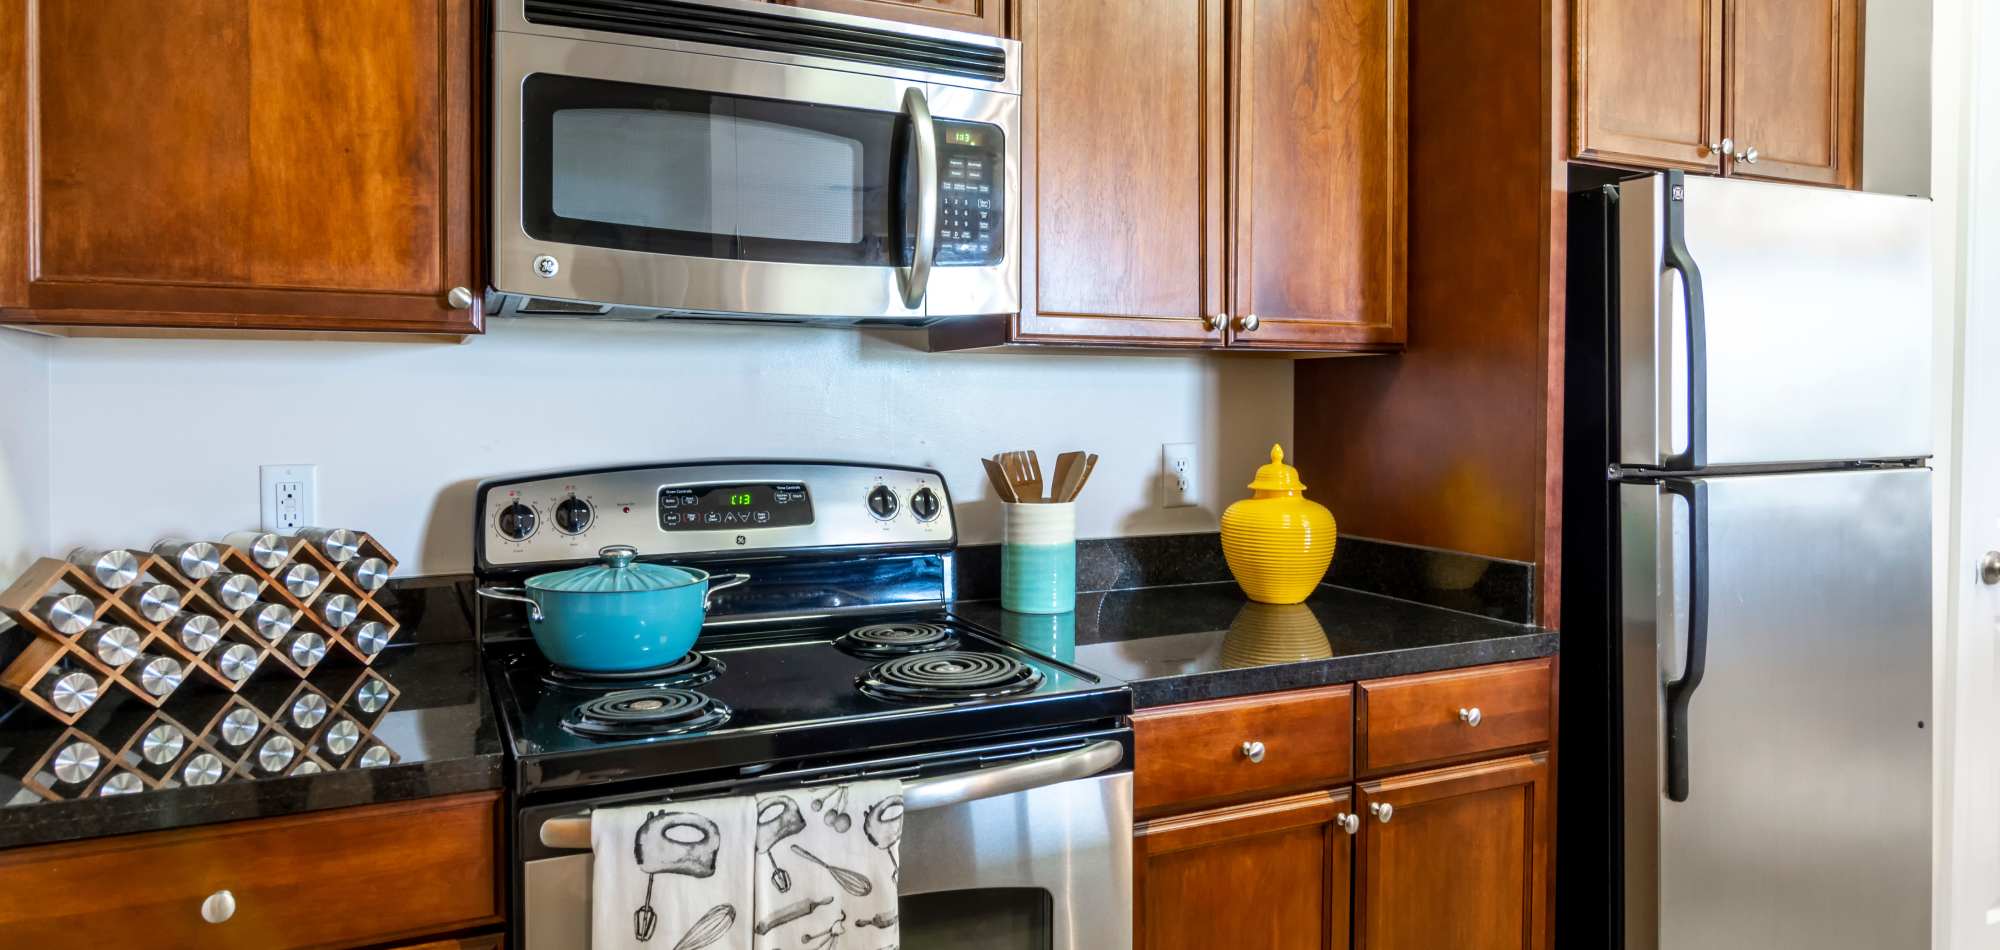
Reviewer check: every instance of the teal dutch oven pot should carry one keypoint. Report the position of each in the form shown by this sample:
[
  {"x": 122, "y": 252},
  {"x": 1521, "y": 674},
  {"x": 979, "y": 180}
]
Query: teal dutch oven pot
[{"x": 619, "y": 615}]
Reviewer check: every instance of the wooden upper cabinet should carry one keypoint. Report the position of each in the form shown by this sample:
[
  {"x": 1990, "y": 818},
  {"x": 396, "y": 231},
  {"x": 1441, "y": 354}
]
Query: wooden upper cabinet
[
  {"x": 1794, "y": 81},
  {"x": 1318, "y": 172},
  {"x": 1647, "y": 87},
  {"x": 270, "y": 164},
  {"x": 971, "y": 16},
  {"x": 1122, "y": 140},
  {"x": 1271, "y": 875},
  {"x": 1461, "y": 861}
]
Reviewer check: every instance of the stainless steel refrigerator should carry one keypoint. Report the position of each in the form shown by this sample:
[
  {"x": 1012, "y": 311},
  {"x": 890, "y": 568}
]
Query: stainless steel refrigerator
[{"x": 1745, "y": 755}]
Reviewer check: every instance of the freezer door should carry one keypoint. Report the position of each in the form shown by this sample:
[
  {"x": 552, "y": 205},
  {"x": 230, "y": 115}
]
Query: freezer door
[
  {"x": 1814, "y": 310},
  {"x": 1804, "y": 819}
]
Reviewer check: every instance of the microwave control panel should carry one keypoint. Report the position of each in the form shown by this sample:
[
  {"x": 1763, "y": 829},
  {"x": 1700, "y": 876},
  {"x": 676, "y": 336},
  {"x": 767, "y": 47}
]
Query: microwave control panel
[{"x": 972, "y": 158}]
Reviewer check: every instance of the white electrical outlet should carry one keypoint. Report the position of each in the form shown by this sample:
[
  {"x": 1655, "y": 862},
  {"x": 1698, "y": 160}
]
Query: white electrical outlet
[
  {"x": 288, "y": 496},
  {"x": 1177, "y": 468}
]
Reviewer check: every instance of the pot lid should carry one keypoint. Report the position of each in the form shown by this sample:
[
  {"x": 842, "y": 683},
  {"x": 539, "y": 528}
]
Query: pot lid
[
  {"x": 1277, "y": 476},
  {"x": 620, "y": 572}
]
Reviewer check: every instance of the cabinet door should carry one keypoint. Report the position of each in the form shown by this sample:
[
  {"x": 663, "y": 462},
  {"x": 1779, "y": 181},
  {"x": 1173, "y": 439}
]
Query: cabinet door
[
  {"x": 972, "y": 16},
  {"x": 277, "y": 164},
  {"x": 1648, "y": 83},
  {"x": 1454, "y": 858},
  {"x": 1318, "y": 177},
  {"x": 1122, "y": 137},
  {"x": 1794, "y": 75},
  {"x": 1271, "y": 875}
]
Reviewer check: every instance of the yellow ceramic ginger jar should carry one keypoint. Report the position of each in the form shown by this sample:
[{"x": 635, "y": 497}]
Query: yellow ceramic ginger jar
[{"x": 1277, "y": 543}]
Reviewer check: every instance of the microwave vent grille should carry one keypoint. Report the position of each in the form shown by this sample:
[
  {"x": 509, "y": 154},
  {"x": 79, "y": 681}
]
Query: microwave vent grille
[{"x": 695, "y": 23}]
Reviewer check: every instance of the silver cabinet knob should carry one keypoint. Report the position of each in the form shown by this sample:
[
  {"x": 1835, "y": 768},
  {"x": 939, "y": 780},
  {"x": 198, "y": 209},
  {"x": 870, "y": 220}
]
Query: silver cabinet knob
[
  {"x": 459, "y": 298},
  {"x": 1214, "y": 321},
  {"x": 1246, "y": 322},
  {"x": 1254, "y": 751},
  {"x": 1348, "y": 822},
  {"x": 218, "y": 907},
  {"x": 1721, "y": 148},
  {"x": 1469, "y": 716},
  {"x": 1989, "y": 568},
  {"x": 1382, "y": 811},
  {"x": 1748, "y": 155}
]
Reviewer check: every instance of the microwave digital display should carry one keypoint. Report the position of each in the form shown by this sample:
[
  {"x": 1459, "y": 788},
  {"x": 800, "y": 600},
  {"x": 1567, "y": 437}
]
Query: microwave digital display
[{"x": 718, "y": 507}]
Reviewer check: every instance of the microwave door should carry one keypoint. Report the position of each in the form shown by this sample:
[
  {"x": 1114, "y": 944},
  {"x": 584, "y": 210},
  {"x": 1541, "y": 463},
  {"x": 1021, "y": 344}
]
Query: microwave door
[{"x": 688, "y": 182}]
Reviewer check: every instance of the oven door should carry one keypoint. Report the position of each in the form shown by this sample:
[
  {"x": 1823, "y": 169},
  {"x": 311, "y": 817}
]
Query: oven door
[
  {"x": 1033, "y": 854},
  {"x": 684, "y": 181}
]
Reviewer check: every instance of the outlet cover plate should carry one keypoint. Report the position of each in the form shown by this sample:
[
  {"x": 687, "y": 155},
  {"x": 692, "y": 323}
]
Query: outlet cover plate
[
  {"x": 288, "y": 497},
  {"x": 1178, "y": 464}
]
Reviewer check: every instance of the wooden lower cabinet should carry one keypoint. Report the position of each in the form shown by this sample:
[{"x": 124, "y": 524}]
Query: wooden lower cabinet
[
  {"x": 1454, "y": 858},
  {"x": 1270, "y": 875}
]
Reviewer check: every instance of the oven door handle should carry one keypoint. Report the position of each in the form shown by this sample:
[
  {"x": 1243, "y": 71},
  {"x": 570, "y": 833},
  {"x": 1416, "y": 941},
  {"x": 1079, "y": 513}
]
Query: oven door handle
[
  {"x": 573, "y": 833},
  {"x": 917, "y": 277}
]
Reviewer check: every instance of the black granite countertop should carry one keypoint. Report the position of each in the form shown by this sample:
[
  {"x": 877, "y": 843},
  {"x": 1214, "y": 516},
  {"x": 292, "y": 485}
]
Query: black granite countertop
[
  {"x": 422, "y": 703},
  {"x": 1206, "y": 641}
]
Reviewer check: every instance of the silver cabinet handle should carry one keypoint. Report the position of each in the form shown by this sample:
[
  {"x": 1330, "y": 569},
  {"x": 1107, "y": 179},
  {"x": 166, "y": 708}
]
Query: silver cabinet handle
[
  {"x": 1247, "y": 322},
  {"x": 1721, "y": 148},
  {"x": 1254, "y": 751},
  {"x": 573, "y": 833},
  {"x": 1470, "y": 717},
  {"x": 1382, "y": 811},
  {"x": 1214, "y": 321},
  {"x": 1348, "y": 822},
  {"x": 919, "y": 274},
  {"x": 218, "y": 907},
  {"x": 1989, "y": 568},
  {"x": 459, "y": 298},
  {"x": 1748, "y": 155}
]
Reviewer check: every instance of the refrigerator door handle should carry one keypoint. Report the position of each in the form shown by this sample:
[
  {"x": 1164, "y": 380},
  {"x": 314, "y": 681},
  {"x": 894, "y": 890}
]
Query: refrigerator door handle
[
  {"x": 1675, "y": 257},
  {"x": 1681, "y": 691}
]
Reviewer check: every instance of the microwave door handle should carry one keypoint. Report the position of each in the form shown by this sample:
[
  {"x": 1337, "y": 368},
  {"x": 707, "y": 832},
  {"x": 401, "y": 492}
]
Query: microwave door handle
[
  {"x": 573, "y": 833},
  {"x": 917, "y": 276}
]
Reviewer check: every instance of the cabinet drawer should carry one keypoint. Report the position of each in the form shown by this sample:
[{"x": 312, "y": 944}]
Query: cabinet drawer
[
  {"x": 1196, "y": 754},
  {"x": 339, "y": 877},
  {"x": 1428, "y": 718}
]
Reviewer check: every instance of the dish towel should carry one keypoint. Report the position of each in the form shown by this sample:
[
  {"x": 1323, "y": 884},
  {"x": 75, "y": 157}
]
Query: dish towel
[
  {"x": 827, "y": 863},
  {"x": 673, "y": 876},
  {"x": 802, "y": 869}
]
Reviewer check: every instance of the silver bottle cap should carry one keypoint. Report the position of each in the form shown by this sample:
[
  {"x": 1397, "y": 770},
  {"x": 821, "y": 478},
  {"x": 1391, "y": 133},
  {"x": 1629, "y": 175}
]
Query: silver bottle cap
[
  {"x": 194, "y": 559},
  {"x": 73, "y": 692},
  {"x": 160, "y": 675},
  {"x": 368, "y": 573},
  {"x": 68, "y": 614},
  {"x": 371, "y": 636},
  {"x": 198, "y": 632},
  {"x": 339, "y": 610},
  {"x": 239, "y": 727},
  {"x": 338, "y": 544},
  {"x": 375, "y": 756},
  {"x": 308, "y": 767},
  {"x": 307, "y": 649},
  {"x": 372, "y": 696},
  {"x": 308, "y": 710},
  {"x": 341, "y": 736},
  {"x": 233, "y": 591},
  {"x": 271, "y": 621},
  {"x": 265, "y": 549},
  {"x": 203, "y": 769},
  {"x": 237, "y": 662},
  {"x": 301, "y": 579},
  {"x": 276, "y": 753},
  {"x": 162, "y": 744},
  {"x": 121, "y": 783},
  {"x": 155, "y": 601},
  {"x": 115, "y": 644},
  {"x": 76, "y": 763},
  {"x": 113, "y": 569}
]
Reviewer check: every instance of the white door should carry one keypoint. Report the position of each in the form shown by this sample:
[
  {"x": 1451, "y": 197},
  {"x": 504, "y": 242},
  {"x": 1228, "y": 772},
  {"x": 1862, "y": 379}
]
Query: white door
[{"x": 1969, "y": 832}]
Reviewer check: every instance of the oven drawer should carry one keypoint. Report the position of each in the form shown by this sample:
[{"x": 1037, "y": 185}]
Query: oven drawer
[
  {"x": 1427, "y": 718},
  {"x": 1241, "y": 748},
  {"x": 330, "y": 878}
]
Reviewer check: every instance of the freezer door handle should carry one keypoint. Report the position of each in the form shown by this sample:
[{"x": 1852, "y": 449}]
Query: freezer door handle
[
  {"x": 1675, "y": 257},
  {"x": 1681, "y": 691}
]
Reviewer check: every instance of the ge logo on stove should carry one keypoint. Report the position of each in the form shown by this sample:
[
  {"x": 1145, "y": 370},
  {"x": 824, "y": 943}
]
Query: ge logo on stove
[
  {"x": 546, "y": 266},
  {"x": 741, "y": 540}
]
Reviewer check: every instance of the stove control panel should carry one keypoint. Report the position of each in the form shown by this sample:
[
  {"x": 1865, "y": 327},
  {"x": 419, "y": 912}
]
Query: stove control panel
[{"x": 697, "y": 508}]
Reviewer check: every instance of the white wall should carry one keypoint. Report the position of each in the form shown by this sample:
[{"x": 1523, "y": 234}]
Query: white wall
[
  {"x": 24, "y": 450},
  {"x": 153, "y": 437},
  {"x": 1896, "y": 96}
]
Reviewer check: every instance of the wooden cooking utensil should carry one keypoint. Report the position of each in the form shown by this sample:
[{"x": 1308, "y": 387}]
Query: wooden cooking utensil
[
  {"x": 1066, "y": 469},
  {"x": 1089, "y": 465},
  {"x": 1035, "y": 478},
  {"x": 1001, "y": 486},
  {"x": 1022, "y": 473}
]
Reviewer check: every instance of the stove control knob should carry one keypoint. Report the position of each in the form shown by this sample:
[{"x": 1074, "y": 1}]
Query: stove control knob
[
  {"x": 882, "y": 503},
  {"x": 924, "y": 504},
  {"x": 573, "y": 515},
  {"x": 517, "y": 522}
]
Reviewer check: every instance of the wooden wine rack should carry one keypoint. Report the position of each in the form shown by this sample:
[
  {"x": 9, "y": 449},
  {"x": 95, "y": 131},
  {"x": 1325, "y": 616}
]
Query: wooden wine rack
[{"x": 50, "y": 651}]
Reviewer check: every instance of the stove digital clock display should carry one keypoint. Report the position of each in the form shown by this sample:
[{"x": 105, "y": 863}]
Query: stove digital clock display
[{"x": 730, "y": 507}]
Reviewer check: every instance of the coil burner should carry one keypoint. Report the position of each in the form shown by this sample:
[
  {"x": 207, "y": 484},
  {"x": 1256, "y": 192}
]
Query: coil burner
[
  {"x": 948, "y": 674},
  {"x": 645, "y": 712}
]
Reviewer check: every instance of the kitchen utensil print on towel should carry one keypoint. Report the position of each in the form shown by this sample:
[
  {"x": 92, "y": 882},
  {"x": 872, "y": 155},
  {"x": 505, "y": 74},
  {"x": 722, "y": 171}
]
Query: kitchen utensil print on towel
[
  {"x": 674, "y": 877},
  {"x": 838, "y": 857}
]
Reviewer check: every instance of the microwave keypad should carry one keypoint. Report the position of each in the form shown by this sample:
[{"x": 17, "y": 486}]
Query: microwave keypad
[{"x": 970, "y": 160}]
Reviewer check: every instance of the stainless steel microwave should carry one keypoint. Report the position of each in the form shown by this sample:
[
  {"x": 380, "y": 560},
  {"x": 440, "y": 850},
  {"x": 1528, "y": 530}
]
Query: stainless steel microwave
[{"x": 741, "y": 159}]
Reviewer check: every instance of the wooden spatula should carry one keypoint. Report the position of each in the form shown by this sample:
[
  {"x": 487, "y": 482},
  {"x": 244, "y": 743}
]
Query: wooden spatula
[
  {"x": 1069, "y": 468},
  {"x": 1001, "y": 486}
]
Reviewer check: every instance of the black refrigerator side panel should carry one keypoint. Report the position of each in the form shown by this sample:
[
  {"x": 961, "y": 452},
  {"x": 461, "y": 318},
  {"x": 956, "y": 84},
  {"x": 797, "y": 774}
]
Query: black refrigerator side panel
[{"x": 1588, "y": 915}]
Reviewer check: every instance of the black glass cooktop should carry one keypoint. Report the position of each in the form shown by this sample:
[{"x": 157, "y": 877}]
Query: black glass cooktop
[{"x": 755, "y": 698}]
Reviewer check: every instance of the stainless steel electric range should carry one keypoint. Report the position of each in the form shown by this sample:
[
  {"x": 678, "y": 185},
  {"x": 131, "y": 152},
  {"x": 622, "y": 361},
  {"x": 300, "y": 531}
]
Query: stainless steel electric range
[{"x": 840, "y": 658}]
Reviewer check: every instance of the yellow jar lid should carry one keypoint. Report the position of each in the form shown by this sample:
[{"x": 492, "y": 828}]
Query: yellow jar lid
[{"x": 1277, "y": 476}]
